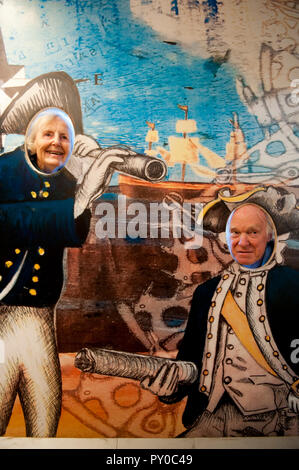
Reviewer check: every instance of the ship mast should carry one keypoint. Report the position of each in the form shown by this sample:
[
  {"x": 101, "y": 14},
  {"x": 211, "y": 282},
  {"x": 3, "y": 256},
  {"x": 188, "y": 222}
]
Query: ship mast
[
  {"x": 236, "y": 149},
  {"x": 183, "y": 149},
  {"x": 234, "y": 162},
  {"x": 152, "y": 136},
  {"x": 185, "y": 109}
]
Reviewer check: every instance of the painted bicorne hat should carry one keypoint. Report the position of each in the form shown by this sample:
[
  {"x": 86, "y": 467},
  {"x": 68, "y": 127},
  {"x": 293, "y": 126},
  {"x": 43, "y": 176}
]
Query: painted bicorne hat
[
  {"x": 280, "y": 204},
  {"x": 50, "y": 90}
]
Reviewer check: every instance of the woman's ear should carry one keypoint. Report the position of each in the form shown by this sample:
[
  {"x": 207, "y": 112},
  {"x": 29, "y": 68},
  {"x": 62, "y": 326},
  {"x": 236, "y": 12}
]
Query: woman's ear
[{"x": 32, "y": 147}]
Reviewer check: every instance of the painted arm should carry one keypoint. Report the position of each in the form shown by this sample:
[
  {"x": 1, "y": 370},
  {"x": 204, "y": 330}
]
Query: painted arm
[
  {"x": 93, "y": 168},
  {"x": 32, "y": 223},
  {"x": 97, "y": 178},
  {"x": 165, "y": 384}
]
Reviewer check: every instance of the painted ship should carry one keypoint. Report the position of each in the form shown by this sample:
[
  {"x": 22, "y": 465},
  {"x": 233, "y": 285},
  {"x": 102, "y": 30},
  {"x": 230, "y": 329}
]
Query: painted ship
[{"x": 184, "y": 149}]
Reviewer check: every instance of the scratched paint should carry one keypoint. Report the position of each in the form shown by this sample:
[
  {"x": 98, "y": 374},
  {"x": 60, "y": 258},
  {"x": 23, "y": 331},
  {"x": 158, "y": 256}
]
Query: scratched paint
[
  {"x": 135, "y": 61},
  {"x": 142, "y": 77}
]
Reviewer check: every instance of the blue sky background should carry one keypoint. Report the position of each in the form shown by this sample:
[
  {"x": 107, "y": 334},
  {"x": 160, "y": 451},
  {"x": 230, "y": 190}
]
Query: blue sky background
[{"x": 143, "y": 78}]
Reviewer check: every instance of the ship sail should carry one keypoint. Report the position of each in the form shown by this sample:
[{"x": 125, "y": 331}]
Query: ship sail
[
  {"x": 187, "y": 150},
  {"x": 152, "y": 136},
  {"x": 212, "y": 158},
  {"x": 236, "y": 148},
  {"x": 183, "y": 150}
]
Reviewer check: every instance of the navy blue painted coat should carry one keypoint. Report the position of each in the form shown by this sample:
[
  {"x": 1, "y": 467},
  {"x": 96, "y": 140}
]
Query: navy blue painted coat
[
  {"x": 36, "y": 224},
  {"x": 282, "y": 303}
]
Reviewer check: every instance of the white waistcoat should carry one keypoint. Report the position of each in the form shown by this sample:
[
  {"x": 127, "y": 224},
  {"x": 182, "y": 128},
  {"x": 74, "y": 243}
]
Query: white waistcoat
[{"x": 227, "y": 365}]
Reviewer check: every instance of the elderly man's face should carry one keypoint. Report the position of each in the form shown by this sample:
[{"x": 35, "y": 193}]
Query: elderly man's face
[
  {"x": 248, "y": 235},
  {"x": 52, "y": 145}
]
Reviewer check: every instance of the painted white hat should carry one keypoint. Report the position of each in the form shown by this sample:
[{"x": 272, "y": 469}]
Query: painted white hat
[
  {"x": 280, "y": 203},
  {"x": 50, "y": 90}
]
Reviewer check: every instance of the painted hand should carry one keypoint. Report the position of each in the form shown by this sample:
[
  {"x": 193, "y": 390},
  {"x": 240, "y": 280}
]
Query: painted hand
[
  {"x": 165, "y": 382},
  {"x": 86, "y": 146},
  {"x": 293, "y": 402},
  {"x": 97, "y": 178}
]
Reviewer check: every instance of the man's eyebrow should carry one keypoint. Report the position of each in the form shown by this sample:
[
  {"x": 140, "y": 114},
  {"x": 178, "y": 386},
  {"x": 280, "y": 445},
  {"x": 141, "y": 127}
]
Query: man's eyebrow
[{"x": 252, "y": 227}]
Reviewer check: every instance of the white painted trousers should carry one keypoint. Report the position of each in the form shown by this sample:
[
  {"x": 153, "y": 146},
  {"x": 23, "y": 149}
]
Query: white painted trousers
[
  {"x": 227, "y": 421},
  {"x": 30, "y": 368}
]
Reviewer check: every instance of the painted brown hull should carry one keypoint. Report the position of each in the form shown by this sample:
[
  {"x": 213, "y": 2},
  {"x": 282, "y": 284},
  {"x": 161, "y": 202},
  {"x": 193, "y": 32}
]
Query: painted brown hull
[{"x": 138, "y": 189}]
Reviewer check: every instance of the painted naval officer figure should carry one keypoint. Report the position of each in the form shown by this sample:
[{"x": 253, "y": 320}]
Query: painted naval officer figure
[
  {"x": 238, "y": 334},
  {"x": 47, "y": 188},
  {"x": 42, "y": 211}
]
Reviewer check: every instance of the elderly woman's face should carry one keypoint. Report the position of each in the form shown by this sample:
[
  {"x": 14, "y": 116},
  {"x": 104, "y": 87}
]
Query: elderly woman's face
[{"x": 52, "y": 144}]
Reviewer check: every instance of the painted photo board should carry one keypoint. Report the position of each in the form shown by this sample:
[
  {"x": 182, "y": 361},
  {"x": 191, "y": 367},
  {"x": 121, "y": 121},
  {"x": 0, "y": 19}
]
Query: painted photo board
[{"x": 149, "y": 151}]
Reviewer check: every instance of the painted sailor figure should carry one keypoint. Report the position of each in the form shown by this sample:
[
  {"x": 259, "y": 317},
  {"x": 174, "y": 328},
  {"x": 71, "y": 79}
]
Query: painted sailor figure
[
  {"x": 239, "y": 332},
  {"x": 43, "y": 210}
]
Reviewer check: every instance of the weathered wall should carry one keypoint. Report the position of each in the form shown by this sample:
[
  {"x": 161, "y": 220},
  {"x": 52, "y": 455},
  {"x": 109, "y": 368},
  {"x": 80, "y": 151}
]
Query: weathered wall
[{"x": 234, "y": 64}]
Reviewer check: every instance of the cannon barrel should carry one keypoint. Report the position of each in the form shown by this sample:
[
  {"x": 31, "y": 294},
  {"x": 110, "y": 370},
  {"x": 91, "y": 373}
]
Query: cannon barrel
[{"x": 142, "y": 166}]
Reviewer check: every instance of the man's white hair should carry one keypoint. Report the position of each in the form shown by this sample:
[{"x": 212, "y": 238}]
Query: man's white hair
[{"x": 269, "y": 222}]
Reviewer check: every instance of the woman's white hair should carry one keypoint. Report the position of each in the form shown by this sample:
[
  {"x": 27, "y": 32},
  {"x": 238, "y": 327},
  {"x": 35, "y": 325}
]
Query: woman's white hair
[{"x": 43, "y": 117}]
